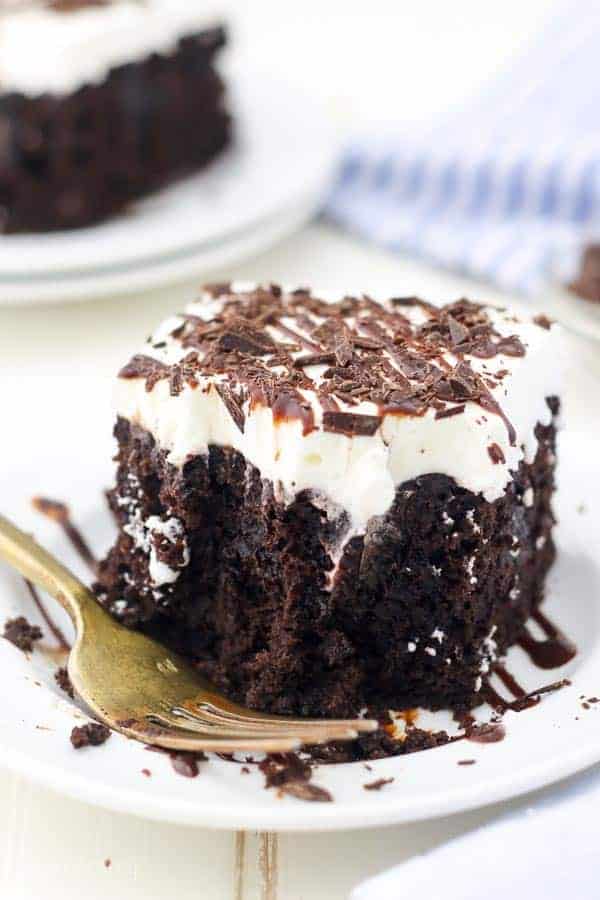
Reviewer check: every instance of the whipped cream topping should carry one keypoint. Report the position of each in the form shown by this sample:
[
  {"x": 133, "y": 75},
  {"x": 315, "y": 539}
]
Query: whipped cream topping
[
  {"x": 356, "y": 474},
  {"x": 44, "y": 50}
]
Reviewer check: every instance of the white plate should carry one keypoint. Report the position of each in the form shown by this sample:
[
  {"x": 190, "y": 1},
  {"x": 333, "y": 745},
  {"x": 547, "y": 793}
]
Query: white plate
[
  {"x": 578, "y": 315},
  {"x": 62, "y": 448},
  {"x": 575, "y": 313},
  {"x": 284, "y": 149},
  {"x": 156, "y": 273}
]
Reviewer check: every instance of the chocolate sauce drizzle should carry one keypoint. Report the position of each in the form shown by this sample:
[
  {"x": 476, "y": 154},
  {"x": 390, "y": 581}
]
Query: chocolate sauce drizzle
[
  {"x": 551, "y": 653},
  {"x": 60, "y": 513},
  {"x": 372, "y": 352},
  {"x": 53, "y": 627},
  {"x": 556, "y": 650}
]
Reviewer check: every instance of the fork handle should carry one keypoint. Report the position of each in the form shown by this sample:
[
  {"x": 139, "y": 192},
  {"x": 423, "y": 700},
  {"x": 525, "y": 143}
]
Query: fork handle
[{"x": 24, "y": 554}]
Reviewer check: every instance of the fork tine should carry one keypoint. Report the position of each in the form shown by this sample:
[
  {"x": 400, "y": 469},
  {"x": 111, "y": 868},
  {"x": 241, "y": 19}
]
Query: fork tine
[
  {"x": 244, "y": 732},
  {"x": 206, "y": 711},
  {"x": 196, "y": 742},
  {"x": 213, "y": 717}
]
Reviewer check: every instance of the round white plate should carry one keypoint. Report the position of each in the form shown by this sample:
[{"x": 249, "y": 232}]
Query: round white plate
[
  {"x": 156, "y": 273},
  {"x": 61, "y": 448},
  {"x": 575, "y": 313},
  {"x": 284, "y": 150}
]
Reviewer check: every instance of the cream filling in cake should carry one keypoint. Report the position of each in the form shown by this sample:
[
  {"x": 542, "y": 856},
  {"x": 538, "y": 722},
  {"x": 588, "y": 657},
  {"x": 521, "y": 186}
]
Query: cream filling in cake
[
  {"x": 358, "y": 474},
  {"x": 43, "y": 50}
]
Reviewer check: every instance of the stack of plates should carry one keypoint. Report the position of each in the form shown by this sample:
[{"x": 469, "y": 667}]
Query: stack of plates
[{"x": 269, "y": 183}]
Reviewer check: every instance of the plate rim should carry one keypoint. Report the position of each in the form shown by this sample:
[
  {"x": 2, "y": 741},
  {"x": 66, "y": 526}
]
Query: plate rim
[
  {"x": 163, "y": 271},
  {"x": 338, "y": 816},
  {"x": 243, "y": 80}
]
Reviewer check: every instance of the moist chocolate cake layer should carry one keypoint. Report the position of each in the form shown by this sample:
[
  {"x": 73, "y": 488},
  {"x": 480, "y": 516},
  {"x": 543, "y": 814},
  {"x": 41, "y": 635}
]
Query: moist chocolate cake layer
[
  {"x": 285, "y": 616},
  {"x": 69, "y": 161}
]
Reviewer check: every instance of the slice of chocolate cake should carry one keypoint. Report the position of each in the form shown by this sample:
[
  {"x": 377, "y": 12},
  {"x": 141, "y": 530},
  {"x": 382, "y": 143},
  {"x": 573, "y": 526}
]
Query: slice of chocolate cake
[
  {"x": 102, "y": 102},
  {"x": 330, "y": 504}
]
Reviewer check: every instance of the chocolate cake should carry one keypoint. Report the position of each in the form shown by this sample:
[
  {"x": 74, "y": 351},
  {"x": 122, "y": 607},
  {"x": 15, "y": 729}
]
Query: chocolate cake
[
  {"x": 101, "y": 103},
  {"x": 332, "y": 504},
  {"x": 586, "y": 284}
]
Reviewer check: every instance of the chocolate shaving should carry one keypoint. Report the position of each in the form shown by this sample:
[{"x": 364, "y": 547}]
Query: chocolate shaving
[
  {"x": 450, "y": 411},
  {"x": 233, "y": 405},
  {"x": 145, "y": 367},
  {"x": 351, "y": 423},
  {"x": 458, "y": 332},
  {"x": 373, "y": 352},
  {"x": 314, "y": 359},
  {"x": 511, "y": 346},
  {"x": 245, "y": 342}
]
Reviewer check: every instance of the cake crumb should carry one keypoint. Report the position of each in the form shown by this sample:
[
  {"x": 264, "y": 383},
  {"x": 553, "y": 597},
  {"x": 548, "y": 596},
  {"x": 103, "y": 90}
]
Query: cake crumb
[
  {"x": 377, "y": 785},
  {"x": 61, "y": 676},
  {"x": 91, "y": 735},
  {"x": 146, "y": 772},
  {"x": 107, "y": 863},
  {"x": 21, "y": 633},
  {"x": 467, "y": 762},
  {"x": 291, "y": 775}
]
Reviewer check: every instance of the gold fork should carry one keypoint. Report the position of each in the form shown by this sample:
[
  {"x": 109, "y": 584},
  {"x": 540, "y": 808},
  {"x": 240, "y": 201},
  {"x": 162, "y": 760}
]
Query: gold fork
[{"x": 138, "y": 687}]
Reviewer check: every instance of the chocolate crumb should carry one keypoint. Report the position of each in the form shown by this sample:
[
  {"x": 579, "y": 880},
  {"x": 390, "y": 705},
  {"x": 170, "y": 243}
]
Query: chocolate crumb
[
  {"x": 91, "y": 735},
  {"x": 245, "y": 770},
  {"x": 107, "y": 863},
  {"x": 147, "y": 773},
  {"x": 450, "y": 411},
  {"x": 543, "y": 321},
  {"x": 495, "y": 453},
  {"x": 303, "y": 790},
  {"x": 21, "y": 633},
  {"x": 186, "y": 763},
  {"x": 377, "y": 785},
  {"x": 467, "y": 762},
  {"x": 61, "y": 676},
  {"x": 291, "y": 775}
]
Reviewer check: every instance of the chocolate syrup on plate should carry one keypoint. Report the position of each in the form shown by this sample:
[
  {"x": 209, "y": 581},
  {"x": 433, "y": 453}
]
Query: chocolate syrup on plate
[
  {"x": 59, "y": 512},
  {"x": 556, "y": 650}
]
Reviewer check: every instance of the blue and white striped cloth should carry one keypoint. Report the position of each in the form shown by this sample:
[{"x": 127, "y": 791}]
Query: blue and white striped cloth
[{"x": 502, "y": 187}]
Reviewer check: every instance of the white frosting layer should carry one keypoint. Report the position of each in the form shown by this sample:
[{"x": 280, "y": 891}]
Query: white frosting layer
[
  {"x": 42, "y": 50},
  {"x": 359, "y": 474}
]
